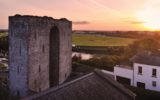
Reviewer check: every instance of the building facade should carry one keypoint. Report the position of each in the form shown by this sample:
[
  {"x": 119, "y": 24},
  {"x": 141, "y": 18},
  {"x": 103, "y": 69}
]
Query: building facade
[
  {"x": 39, "y": 53},
  {"x": 147, "y": 76},
  {"x": 145, "y": 72},
  {"x": 122, "y": 72}
]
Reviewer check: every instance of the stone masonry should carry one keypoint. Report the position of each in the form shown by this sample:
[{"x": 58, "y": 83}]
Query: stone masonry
[{"x": 39, "y": 53}]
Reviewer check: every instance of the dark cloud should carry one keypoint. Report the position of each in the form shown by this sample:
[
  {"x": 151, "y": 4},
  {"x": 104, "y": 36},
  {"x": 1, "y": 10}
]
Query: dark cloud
[
  {"x": 81, "y": 22},
  {"x": 136, "y": 22},
  {"x": 131, "y": 20}
]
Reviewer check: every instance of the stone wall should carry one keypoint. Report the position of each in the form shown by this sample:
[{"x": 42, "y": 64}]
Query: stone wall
[
  {"x": 39, "y": 53},
  {"x": 18, "y": 56}
]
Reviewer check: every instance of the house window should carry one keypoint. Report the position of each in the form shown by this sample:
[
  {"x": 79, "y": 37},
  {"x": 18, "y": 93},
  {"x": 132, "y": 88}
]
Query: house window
[
  {"x": 154, "y": 72},
  {"x": 139, "y": 70},
  {"x": 154, "y": 83}
]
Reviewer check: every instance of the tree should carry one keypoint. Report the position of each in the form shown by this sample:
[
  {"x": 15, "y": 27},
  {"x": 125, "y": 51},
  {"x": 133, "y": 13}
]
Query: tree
[{"x": 148, "y": 44}]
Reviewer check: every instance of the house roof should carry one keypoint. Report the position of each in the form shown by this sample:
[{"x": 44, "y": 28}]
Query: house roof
[
  {"x": 125, "y": 66},
  {"x": 148, "y": 58},
  {"x": 93, "y": 86}
]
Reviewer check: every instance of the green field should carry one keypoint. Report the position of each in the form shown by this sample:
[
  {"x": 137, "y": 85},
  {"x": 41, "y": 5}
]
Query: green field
[
  {"x": 3, "y": 34},
  {"x": 92, "y": 40}
]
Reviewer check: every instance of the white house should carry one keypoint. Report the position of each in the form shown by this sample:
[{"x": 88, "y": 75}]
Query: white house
[
  {"x": 147, "y": 71},
  {"x": 124, "y": 74},
  {"x": 144, "y": 73}
]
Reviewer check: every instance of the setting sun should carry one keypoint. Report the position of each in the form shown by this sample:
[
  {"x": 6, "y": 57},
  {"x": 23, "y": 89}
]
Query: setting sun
[
  {"x": 149, "y": 19},
  {"x": 150, "y": 16}
]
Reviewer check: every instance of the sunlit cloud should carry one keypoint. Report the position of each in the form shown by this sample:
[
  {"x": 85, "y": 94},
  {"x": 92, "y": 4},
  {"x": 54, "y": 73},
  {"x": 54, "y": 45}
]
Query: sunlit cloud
[{"x": 85, "y": 14}]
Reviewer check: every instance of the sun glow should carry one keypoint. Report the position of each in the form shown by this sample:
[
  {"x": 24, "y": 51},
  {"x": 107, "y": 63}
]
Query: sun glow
[
  {"x": 150, "y": 15},
  {"x": 150, "y": 19}
]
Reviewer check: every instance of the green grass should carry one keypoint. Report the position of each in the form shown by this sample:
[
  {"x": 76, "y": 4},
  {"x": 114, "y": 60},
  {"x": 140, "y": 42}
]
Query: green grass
[
  {"x": 142, "y": 94},
  {"x": 91, "y": 40},
  {"x": 3, "y": 34}
]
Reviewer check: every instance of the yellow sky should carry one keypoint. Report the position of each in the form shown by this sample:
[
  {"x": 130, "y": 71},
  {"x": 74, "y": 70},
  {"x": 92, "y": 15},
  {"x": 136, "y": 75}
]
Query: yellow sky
[{"x": 89, "y": 14}]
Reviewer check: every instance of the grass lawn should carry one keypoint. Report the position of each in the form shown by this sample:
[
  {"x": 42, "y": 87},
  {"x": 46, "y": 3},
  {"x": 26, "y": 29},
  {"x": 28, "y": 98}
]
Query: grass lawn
[
  {"x": 142, "y": 94},
  {"x": 3, "y": 34},
  {"x": 91, "y": 40}
]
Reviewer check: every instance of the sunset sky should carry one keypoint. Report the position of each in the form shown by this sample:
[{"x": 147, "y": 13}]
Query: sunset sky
[{"x": 89, "y": 14}]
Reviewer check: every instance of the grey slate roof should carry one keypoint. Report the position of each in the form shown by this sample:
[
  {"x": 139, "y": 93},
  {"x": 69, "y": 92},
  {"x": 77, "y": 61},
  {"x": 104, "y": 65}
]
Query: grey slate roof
[
  {"x": 93, "y": 86},
  {"x": 147, "y": 58}
]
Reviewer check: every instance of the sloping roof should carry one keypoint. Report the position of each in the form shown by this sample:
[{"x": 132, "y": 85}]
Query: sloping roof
[
  {"x": 93, "y": 86},
  {"x": 148, "y": 58}
]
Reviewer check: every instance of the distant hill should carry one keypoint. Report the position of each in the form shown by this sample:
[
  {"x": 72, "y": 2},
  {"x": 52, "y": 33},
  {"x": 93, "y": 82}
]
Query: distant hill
[
  {"x": 92, "y": 40},
  {"x": 123, "y": 34},
  {"x": 3, "y": 30}
]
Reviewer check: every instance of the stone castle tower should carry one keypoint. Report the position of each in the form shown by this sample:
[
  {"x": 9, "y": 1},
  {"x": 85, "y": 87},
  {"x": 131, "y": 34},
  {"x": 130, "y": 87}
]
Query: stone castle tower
[{"x": 39, "y": 53}]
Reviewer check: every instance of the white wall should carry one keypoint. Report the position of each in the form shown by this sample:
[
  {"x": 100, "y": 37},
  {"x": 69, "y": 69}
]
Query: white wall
[
  {"x": 124, "y": 72},
  {"x": 146, "y": 76},
  {"x": 133, "y": 75},
  {"x": 108, "y": 72}
]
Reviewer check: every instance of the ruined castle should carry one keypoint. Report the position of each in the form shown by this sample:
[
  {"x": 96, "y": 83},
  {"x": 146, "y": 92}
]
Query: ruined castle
[{"x": 39, "y": 53}]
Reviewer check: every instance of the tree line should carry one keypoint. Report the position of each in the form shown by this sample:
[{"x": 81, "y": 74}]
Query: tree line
[{"x": 109, "y": 61}]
